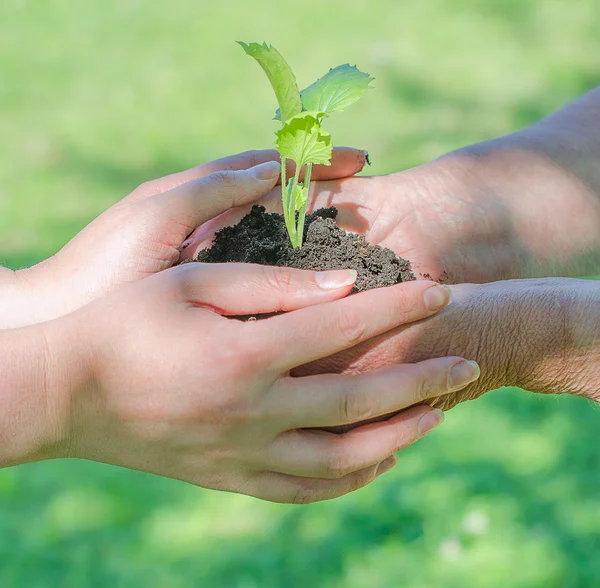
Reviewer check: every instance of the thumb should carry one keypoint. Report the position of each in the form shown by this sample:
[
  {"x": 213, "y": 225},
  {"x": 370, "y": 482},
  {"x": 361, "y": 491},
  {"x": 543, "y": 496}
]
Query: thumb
[
  {"x": 243, "y": 288},
  {"x": 196, "y": 202}
]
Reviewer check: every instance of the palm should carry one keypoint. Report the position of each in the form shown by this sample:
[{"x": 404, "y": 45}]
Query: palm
[
  {"x": 388, "y": 214},
  {"x": 392, "y": 211}
]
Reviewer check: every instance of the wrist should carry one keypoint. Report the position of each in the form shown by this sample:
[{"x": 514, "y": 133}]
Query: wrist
[
  {"x": 39, "y": 295},
  {"x": 45, "y": 365},
  {"x": 539, "y": 335},
  {"x": 528, "y": 195},
  {"x": 15, "y": 307},
  {"x": 581, "y": 367}
]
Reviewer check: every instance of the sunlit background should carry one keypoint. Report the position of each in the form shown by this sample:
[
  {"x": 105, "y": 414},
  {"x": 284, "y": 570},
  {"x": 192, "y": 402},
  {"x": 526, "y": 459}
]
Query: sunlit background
[{"x": 97, "y": 97}]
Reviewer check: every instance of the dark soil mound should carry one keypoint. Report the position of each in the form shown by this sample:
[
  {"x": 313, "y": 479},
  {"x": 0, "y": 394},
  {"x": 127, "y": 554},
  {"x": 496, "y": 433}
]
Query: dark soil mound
[{"x": 261, "y": 237}]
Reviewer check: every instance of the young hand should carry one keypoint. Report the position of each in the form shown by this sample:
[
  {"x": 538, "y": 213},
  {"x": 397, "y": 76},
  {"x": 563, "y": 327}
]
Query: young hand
[
  {"x": 143, "y": 233},
  {"x": 167, "y": 384}
]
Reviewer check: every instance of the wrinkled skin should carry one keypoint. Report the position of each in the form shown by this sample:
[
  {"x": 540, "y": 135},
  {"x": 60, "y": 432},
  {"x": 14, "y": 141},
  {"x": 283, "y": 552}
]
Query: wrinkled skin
[{"x": 515, "y": 330}]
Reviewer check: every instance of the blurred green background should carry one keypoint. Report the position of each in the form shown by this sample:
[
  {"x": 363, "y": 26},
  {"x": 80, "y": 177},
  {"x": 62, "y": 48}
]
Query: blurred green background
[{"x": 96, "y": 97}]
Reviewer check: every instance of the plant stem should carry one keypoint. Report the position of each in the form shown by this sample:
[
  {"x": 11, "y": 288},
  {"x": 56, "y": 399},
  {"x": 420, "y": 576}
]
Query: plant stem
[
  {"x": 292, "y": 206},
  {"x": 302, "y": 212},
  {"x": 285, "y": 196},
  {"x": 289, "y": 211}
]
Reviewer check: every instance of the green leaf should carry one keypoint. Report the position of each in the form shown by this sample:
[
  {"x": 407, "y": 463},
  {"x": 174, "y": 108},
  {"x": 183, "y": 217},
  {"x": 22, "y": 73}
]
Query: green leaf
[
  {"x": 336, "y": 90},
  {"x": 302, "y": 139},
  {"x": 280, "y": 75},
  {"x": 301, "y": 196}
]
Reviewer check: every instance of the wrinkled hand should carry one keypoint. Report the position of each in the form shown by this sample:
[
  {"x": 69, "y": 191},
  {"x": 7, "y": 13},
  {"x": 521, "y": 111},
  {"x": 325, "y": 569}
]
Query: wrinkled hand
[
  {"x": 429, "y": 215},
  {"x": 534, "y": 334},
  {"x": 143, "y": 233},
  {"x": 175, "y": 388}
]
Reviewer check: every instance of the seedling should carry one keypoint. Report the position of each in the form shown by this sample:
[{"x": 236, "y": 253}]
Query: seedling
[{"x": 301, "y": 137}]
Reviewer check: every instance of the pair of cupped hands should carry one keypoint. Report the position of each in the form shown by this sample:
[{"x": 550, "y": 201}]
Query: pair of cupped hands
[{"x": 172, "y": 386}]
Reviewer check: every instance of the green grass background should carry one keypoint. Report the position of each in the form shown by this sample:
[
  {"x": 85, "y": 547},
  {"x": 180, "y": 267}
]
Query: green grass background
[{"x": 96, "y": 97}]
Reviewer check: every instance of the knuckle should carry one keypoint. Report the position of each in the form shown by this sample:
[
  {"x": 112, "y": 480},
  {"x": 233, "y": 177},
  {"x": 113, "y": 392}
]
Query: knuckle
[
  {"x": 355, "y": 405},
  {"x": 426, "y": 384},
  {"x": 148, "y": 188},
  {"x": 226, "y": 179},
  {"x": 243, "y": 356},
  {"x": 304, "y": 494},
  {"x": 405, "y": 304},
  {"x": 337, "y": 465},
  {"x": 360, "y": 479},
  {"x": 252, "y": 157},
  {"x": 280, "y": 280},
  {"x": 351, "y": 326},
  {"x": 179, "y": 280}
]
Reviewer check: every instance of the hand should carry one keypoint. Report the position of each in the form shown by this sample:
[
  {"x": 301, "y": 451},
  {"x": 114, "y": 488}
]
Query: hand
[
  {"x": 541, "y": 335},
  {"x": 142, "y": 234},
  {"x": 479, "y": 214},
  {"x": 175, "y": 388},
  {"x": 448, "y": 231}
]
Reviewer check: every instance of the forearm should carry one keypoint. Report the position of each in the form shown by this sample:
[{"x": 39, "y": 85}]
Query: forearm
[
  {"x": 40, "y": 367},
  {"x": 540, "y": 188}
]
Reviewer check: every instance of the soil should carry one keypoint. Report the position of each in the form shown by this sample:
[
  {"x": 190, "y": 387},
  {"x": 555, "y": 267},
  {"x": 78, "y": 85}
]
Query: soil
[{"x": 261, "y": 237}]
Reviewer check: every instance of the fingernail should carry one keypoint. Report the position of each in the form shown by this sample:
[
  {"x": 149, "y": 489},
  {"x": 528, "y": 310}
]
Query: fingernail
[
  {"x": 437, "y": 297},
  {"x": 365, "y": 160},
  {"x": 267, "y": 170},
  {"x": 386, "y": 465},
  {"x": 430, "y": 420},
  {"x": 333, "y": 279},
  {"x": 463, "y": 373}
]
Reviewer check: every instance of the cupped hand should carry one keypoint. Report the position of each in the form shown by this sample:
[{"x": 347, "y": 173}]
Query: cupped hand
[
  {"x": 176, "y": 388},
  {"x": 143, "y": 233},
  {"x": 449, "y": 229}
]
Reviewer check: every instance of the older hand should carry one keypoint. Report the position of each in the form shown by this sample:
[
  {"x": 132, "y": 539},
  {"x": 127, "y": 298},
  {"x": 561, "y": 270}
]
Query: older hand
[
  {"x": 449, "y": 230},
  {"x": 541, "y": 335}
]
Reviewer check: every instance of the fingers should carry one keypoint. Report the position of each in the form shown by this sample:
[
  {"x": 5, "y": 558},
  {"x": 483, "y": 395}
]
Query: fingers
[
  {"x": 332, "y": 399},
  {"x": 240, "y": 161},
  {"x": 195, "y": 202},
  {"x": 320, "y": 454},
  {"x": 240, "y": 288},
  {"x": 297, "y": 490},
  {"x": 313, "y": 333},
  {"x": 345, "y": 162}
]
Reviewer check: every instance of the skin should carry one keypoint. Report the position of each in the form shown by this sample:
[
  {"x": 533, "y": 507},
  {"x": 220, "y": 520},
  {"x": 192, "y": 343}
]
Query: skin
[
  {"x": 131, "y": 362},
  {"x": 155, "y": 377},
  {"x": 142, "y": 234},
  {"x": 479, "y": 214},
  {"x": 521, "y": 206},
  {"x": 540, "y": 334}
]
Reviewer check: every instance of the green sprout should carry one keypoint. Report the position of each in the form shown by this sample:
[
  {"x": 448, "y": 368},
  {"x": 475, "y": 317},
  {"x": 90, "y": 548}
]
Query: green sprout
[{"x": 301, "y": 137}]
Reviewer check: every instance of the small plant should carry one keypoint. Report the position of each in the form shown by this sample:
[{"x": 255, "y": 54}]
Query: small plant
[{"x": 301, "y": 137}]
